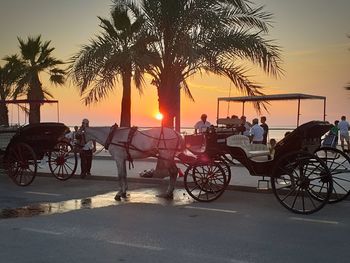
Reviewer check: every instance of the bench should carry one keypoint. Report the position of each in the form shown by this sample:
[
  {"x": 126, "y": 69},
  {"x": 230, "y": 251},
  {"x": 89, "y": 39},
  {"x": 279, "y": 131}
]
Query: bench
[
  {"x": 229, "y": 122},
  {"x": 251, "y": 150}
]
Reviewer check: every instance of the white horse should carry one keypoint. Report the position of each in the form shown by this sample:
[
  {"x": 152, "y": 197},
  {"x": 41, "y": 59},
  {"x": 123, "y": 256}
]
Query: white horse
[{"x": 131, "y": 143}]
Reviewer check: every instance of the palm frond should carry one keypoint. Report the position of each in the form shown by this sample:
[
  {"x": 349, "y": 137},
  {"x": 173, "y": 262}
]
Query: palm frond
[
  {"x": 240, "y": 44},
  {"x": 187, "y": 90},
  {"x": 88, "y": 63},
  {"x": 238, "y": 76},
  {"x": 100, "y": 90},
  {"x": 47, "y": 94}
]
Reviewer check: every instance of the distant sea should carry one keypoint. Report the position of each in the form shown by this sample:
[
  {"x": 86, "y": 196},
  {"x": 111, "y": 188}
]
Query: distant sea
[{"x": 276, "y": 133}]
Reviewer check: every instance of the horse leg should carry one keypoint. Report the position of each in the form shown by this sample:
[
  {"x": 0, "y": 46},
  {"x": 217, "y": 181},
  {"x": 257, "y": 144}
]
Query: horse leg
[
  {"x": 123, "y": 186},
  {"x": 173, "y": 171}
]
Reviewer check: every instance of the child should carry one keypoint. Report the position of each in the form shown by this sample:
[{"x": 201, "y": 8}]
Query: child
[
  {"x": 272, "y": 148},
  {"x": 335, "y": 131}
]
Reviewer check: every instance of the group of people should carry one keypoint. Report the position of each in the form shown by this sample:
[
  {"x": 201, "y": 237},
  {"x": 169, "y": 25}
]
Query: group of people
[
  {"x": 340, "y": 130},
  {"x": 257, "y": 133},
  {"x": 83, "y": 147}
]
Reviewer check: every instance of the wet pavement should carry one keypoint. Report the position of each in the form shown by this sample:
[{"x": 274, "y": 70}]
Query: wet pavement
[
  {"x": 142, "y": 195},
  {"x": 47, "y": 196}
]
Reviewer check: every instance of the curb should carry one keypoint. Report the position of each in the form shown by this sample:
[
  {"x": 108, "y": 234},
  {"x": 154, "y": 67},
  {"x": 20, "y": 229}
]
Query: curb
[{"x": 159, "y": 181}]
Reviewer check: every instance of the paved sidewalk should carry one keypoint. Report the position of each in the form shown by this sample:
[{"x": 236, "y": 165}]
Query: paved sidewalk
[{"x": 104, "y": 168}]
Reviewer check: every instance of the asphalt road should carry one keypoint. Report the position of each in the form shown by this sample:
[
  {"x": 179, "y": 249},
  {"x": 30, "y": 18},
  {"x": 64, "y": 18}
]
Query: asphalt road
[{"x": 79, "y": 221}]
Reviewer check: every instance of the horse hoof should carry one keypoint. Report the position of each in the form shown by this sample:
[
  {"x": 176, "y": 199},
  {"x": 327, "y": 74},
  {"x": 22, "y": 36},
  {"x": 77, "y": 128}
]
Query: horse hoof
[
  {"x": 166, "y": 196},
  {"x": 124, "y": 196},
  {"x": 117, "y": 198}
]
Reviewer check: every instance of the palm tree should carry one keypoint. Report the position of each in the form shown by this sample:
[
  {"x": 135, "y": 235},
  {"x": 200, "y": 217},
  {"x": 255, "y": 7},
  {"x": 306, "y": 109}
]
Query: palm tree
[
  {"x": 36, "y": 58},
  {"x": 347, "y": 87},
  {"x": 10, "y": 73},
  {"x": 119, "y": 51},
  {"x": 213, "y": 36}
]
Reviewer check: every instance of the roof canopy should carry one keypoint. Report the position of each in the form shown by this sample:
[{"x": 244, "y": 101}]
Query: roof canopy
[
  {"x": 27, "y": 101},
  {"x": 291, "y": 96},
  {"x": 274, "y": 97}
]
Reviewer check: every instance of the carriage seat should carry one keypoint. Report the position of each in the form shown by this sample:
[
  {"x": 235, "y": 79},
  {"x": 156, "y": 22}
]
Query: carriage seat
[
  {"x": 251, "y": 150},
  {"x": 229, "y": 122}
]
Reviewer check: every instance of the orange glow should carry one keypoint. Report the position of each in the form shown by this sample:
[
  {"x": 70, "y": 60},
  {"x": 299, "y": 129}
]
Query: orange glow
[{"x": 159, "y": 116}]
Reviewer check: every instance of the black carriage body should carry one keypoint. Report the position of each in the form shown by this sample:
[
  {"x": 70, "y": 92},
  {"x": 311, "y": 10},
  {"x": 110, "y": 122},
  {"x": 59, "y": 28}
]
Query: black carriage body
[
  {"x": 41, "y": 137},
  {"x": 306, "y": 137}
]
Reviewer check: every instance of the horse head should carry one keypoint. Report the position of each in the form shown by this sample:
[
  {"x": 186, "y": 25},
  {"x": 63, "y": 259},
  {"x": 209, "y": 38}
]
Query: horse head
[{"x": 98, "y": 134}]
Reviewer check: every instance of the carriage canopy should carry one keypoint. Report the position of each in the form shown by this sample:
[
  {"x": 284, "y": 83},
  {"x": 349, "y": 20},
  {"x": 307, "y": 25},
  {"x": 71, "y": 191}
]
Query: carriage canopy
[{"x": 274, "y": 97}]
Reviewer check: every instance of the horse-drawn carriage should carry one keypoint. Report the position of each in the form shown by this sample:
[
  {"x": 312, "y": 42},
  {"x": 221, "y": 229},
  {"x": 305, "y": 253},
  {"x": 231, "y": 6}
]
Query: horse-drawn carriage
[
  {"x": 304, "y": 175},
  {"x": 22, "y": 148}
]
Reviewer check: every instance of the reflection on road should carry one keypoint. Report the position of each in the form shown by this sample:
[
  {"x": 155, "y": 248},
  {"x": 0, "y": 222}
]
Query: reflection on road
[{"x": 146, "y": 196}]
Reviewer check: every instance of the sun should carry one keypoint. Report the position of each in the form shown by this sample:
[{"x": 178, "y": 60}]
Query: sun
[{"x": 159, "y": 116}]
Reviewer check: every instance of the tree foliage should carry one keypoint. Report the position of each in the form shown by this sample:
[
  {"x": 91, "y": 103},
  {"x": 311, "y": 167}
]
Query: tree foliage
[{"x": 218, "y": 37}]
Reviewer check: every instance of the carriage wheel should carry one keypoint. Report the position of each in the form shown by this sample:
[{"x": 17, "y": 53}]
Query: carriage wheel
[
  {"x": 21, "y": 164},
  {"x": 297, "y": 178},
  {"x": 205, "y": 183},
  {"x": 227, "y": 170},
  {"x": 339, "y": 166},
  {"x": 226, "y": 162},
  {"x": 63, "y": 161}
]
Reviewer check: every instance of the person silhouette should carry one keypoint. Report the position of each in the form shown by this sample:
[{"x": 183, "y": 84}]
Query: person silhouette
[
  {"x": 88, "y": 148},
  {"x": 202, "y": 125}
]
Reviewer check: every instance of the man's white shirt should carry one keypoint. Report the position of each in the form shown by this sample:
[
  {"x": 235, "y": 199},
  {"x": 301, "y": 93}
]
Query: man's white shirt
[
  {"x": 343, "y": 127},
  {"x": 257, "y": 132},
  {"x": 202, "y": 126}
]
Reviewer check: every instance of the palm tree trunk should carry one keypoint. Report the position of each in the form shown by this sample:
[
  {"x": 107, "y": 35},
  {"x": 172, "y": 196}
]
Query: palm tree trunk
[
  {"x": 4, "y": 118},
  {"x": 34, "y": 112},
  {"x": 125, "y": 115},
  {"x": 168, "y": 102},
  {"x": 35, "y": 93},
  {"x": 178, "y": 110}
]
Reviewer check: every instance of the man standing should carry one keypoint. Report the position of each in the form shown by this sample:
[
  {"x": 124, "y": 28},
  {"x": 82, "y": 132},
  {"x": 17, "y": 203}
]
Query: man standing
[
  {"x": 343, "y": 126},
  {"x": 245, "y": 126},
  {"x": 256, "y": 132},
  {"x": 202, "y": 125},
  {"x": 266, "y": 129},
  {"x": 86, "y": 152}
]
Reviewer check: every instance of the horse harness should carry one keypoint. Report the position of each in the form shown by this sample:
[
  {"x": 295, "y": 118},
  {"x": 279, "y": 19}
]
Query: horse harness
[{"x": 129, "y": 146}]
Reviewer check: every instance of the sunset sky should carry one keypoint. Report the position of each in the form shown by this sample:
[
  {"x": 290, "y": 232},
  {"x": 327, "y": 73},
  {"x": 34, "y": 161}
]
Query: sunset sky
[{"x": 312, "y": 34}]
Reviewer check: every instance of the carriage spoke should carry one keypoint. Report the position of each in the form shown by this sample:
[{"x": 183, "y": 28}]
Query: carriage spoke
[
  {"x": 335, "y": 182},
  {"x": 195, "y": 187},
  {"x": 66, "y": 165},
  {"x": 54, "y": 170},
  {"x": 311, "y": 199},
  {"x": 295, "y": 198},
  {"x": 334, "y": 190},
  {"x": 341, "y": 179},
  {"x": 290, "y": 193},
  {"x": 323, "y": 183},
  {"x": 302, "y": 197}
]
